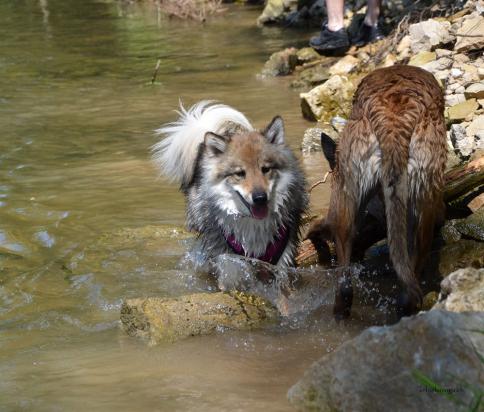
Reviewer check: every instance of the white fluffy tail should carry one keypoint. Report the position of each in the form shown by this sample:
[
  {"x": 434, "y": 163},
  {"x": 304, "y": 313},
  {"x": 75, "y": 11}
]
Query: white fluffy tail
[{"x": 177, "y": 152}]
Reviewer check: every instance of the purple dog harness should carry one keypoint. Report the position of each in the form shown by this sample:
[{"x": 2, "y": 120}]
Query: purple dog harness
[{"x": 273, "y": 251}]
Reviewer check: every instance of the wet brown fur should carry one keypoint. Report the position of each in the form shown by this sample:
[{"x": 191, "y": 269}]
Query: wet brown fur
[{"x": 397, "y": 117}]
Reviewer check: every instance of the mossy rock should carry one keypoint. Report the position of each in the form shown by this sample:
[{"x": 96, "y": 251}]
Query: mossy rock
[
  {"x": 461, "y": 254},
  {"x": 472, "y": 226},
  {"x": 170, "y": 319}
]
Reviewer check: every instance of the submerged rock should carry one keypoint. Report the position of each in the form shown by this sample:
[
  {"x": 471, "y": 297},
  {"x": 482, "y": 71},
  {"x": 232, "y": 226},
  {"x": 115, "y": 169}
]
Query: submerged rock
[
  {"x": 170, "y": 319},
  {"x": 281, "y": 63},
  {"x": 462, "y": 291},
  {"x": 117, "y": 248},
  {"x": 384, "y": 368}
]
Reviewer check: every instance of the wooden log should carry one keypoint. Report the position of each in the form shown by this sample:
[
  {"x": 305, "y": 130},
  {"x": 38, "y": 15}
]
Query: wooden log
[
  {"x": 463, "y": 179},
  {"x": 170, "y": 319}
]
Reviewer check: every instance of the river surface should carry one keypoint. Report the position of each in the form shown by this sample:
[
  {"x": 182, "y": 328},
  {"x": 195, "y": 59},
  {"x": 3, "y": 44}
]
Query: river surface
[{"x": 77, "y": 191}]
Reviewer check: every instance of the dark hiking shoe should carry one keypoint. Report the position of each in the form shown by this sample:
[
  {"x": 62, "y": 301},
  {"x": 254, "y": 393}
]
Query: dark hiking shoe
[
  {"x": 330, "y": 40},
  {"x": 367, "y": 34}
]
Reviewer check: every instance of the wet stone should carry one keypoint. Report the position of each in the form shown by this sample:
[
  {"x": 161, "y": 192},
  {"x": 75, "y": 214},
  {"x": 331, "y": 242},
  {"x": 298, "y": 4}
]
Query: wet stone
[
  {"x": 311, "y": 76},
  {"x": 281, "y": 63},
  {"x": 158, "y": 320},
  {"x": 461, "y": 254},
  {"x": 307, "y": 54},
  {"x": 384, "y": 368}
]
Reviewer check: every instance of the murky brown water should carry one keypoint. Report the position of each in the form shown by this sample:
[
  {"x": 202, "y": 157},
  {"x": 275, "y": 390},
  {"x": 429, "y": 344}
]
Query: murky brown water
[{"x": 77, "y": 112}]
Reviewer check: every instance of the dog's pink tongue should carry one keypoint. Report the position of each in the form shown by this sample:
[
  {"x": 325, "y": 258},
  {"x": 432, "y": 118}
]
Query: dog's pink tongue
[{"x": 259, "y": 212}]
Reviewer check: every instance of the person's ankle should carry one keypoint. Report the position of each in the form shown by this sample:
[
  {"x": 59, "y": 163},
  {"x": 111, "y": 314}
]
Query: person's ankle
[
  {"x": 334, "y": 26},
  {"x": 370, "y": 22}
]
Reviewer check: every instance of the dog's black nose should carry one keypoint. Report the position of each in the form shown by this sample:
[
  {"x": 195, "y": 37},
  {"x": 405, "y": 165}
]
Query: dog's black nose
[{"x": 259, "y": 198}]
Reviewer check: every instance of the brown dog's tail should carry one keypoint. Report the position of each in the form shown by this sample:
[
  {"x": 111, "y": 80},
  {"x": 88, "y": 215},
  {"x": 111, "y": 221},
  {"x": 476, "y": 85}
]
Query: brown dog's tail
[{"x": 394, "y": 145}]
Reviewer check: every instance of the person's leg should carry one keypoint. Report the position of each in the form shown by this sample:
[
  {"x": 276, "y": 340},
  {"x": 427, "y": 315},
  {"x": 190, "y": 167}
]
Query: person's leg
[
  {"x": 333, "y": 35},
  {"x": 369, "y": 30},
  {"x": 335, "y": 10},
  {"x": 372, "y": 13}
]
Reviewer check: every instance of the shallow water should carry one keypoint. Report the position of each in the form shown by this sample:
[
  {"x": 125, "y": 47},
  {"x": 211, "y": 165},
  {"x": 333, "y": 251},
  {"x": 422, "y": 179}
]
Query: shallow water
[{"x": 77, "y": 111}]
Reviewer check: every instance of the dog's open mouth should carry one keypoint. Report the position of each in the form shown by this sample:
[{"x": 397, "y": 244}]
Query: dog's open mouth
[{"x": 257, "y": 211}]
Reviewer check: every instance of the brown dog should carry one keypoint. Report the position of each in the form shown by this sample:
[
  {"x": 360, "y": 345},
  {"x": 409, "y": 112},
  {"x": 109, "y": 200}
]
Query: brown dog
[{"x": 394, "y": 146}]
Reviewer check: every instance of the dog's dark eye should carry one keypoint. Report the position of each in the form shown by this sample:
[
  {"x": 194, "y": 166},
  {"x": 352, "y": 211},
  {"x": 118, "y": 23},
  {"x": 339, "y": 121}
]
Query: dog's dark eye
[
  {"x": 240, "y": 173},
  {"x": 266, "y": 169}
]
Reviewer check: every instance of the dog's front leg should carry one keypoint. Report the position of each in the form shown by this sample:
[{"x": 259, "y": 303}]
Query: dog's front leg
[{"x": 344, "y": 232}]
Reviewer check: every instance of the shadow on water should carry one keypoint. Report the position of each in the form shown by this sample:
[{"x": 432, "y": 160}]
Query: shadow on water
[{"x": 77, "y": 111}]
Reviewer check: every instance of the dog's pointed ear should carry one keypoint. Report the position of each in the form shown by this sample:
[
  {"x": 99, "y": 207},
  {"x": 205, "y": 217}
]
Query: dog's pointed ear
[
  {"x": 329, "y": 149},
  {"x": 215, "y": 144},
  {"x": 274, "y": 133}
]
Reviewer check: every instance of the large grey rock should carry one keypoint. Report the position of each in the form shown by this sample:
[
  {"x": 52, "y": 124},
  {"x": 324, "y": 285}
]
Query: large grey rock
[
  {"x": 381, "y": 369},
  {"x": 428, "y": 34},
  {"x": 462, "y": 291}
]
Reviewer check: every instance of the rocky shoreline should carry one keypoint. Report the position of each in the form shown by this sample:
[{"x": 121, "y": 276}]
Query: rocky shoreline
[{"x": 432, "y": 361}]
